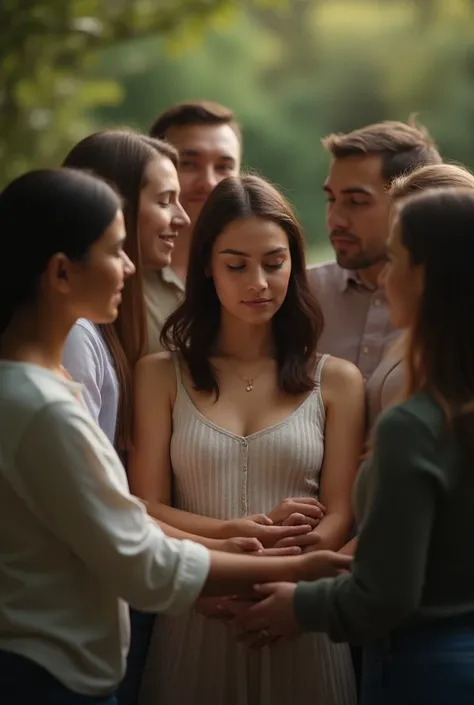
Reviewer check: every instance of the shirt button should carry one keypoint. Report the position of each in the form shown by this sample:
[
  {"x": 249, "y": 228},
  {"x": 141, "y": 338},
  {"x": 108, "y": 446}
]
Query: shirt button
[
  {"x": 377, "y": 302},
  {"x": 365, "y": 349}
]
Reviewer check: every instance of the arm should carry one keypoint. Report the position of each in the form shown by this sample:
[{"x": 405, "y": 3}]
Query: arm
[
  {"x": 149, "y": 467},
  {"x": 390, "y": 563},
  {"x": 73, "y": 482},
  {"x": 342, "y": 389},
  {"x": 82, "y": 359},
  {"x": 343, "y": 394}
]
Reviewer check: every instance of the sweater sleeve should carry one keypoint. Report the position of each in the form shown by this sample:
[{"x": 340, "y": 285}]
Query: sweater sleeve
[
  {"x": 73, "y": 481},
  {"x": 386, "y": 583}
]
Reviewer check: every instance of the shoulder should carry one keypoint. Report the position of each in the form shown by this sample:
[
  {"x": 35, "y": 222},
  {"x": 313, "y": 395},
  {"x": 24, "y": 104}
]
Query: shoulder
[
  {"x": 156, "y": 364},
  {"x": 341, "y": 377},
  {"x": 414, "y": 427},
  {"x": 85, "y": 333},
  {"x": 156, "y": 375},
  {"x": 323, "y": 274},
  {"x": 418, "y": 414}
]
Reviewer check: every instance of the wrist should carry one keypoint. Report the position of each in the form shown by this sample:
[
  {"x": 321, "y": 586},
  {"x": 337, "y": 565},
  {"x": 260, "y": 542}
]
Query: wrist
[
  {"x": 296, "y": 568},
  {"x": 226, "y": 530}
]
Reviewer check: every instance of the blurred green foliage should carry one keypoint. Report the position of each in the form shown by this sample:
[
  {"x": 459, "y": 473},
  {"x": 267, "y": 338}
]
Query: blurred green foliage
[
  {"x": 293, "y": 71},
  {"x": 48, "y": 77}
]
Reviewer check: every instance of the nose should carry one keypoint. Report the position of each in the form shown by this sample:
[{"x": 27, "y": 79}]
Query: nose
[
  {"x": 208, "y": 179},
  {"x": 128, "y": 267},
  {"x": 336, "y": 218},
  {"x": 180, "y": 219},
  {"x": 257, "y": 281}
]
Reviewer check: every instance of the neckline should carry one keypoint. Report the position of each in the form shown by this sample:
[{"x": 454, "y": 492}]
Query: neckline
[{"x": 262, "y": 431}]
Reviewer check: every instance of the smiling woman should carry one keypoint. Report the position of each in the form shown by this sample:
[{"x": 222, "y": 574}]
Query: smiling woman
[{"x": 102, "y": 358}]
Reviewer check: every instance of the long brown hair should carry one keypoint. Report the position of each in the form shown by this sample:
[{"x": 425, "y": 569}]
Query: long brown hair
[
  {"x": 192, "y": 329},
  {"x": 437, "y": 228},
  {"x": 121, "y": 157}
]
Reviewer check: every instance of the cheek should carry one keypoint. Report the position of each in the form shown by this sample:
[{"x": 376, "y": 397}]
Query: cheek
[
  {"x": 226, "y": 285},
  {"x": 186, "y": 180},
  {"x": 151, "y": 221}
]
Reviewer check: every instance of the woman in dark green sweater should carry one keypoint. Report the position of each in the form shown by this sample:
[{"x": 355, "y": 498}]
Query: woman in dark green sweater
[{"x": 410, "y": 597}]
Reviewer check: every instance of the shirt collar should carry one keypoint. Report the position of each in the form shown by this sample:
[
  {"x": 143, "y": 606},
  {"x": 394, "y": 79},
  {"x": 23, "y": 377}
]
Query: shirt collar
[
  {"x": 169, "y": 276},
  {"x": 349, "y": 278}
]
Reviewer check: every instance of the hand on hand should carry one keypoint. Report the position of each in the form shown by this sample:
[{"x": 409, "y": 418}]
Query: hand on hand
[
  {"x": 298, "y": 510},
  {"x": 269, "y": 620},
  {"x": 259, "y": 526},
  {"x": 323, "y": 564},
  {"x": 242, "y": 544},
  {"x": 307, "y": 542}
]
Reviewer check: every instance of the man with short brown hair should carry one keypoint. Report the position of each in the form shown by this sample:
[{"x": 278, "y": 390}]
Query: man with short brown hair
[
  {"x": 357, "y": 319},
  {"x": 209, "y": 143},
  {"x": 363, "y": 164}
]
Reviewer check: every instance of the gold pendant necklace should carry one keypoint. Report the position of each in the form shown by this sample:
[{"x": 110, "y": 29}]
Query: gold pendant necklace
[{"x": 248, "y": 381}]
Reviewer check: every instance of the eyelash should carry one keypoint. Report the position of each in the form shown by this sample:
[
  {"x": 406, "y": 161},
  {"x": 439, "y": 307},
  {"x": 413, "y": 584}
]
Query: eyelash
[{"x": 240, "y": 267}]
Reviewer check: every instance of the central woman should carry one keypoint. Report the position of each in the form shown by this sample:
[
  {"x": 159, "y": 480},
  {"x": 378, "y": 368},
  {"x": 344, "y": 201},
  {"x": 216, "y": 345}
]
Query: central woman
[{"x": 243, "y": 417}]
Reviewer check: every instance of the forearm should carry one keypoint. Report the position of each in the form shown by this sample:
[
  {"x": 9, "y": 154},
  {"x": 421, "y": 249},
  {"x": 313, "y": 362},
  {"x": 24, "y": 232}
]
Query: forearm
[
  {"x": 186, "y": 522},
  {"x": 173, "y": 532},
  {"x": 334, "y": 530},
  {"x": 231, "y": 574}
]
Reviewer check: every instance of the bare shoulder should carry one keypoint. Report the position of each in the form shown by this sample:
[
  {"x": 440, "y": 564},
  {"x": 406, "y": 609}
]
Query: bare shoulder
[
  {"x": 341, "y": 378},
  {"x": 156, "y": 373}
]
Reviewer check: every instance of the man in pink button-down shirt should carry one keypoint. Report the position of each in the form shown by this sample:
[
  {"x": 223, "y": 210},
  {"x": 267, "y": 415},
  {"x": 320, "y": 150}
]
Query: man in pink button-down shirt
[
  {"x": 363, "y": 163},
  {"x": 357, "y": 320}
]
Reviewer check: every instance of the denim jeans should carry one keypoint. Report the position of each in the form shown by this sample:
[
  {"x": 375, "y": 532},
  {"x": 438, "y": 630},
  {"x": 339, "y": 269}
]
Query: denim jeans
[
  {"x": 24, "y": 682},
  {"x": 430, "y": 664},
  {"x": 141, "y": 624}
]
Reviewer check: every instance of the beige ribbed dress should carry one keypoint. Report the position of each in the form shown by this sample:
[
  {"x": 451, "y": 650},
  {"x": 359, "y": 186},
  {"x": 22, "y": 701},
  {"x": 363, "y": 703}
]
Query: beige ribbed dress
[{"x": 197, "y": 661}]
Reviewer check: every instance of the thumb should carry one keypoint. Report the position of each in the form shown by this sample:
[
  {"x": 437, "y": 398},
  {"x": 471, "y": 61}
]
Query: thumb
[
  {"x": 250, "y": 544},
  {"x": 340, "y": 560}
]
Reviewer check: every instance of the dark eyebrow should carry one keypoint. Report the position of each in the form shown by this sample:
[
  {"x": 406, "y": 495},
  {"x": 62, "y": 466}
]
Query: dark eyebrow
[
  {"x": 351, "y": 190},
  {"x": 276, "y": 251},
  {"x": 197, "y": 153}
]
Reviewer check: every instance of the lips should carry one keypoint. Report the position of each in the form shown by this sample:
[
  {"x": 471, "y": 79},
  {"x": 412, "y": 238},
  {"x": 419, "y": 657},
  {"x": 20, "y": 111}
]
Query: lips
[
  {"x": 168, "y": 240},
  {"x": 341, "y": 241},
  {"x": 256, "y": 302}
]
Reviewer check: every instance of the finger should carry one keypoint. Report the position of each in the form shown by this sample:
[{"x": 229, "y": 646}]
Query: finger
[
  {"x": 239, "y": 607},
  {"x": 308, "y": 510},
  {"x": 261, "y": 519},
  {"x": 297, "y": 519},
  {"x": 282, "y": 551},
  {"x": 309, "y": 500},
  {"x": 249, "y": 544},
  {"x": 303, "y": 541},
  {"x": 281, "y": 532}
]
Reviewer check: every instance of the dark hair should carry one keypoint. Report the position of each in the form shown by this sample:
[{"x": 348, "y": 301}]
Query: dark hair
[
  {"x": 433, "y": 176},
  {"x": 194, "y": 112},
  {"x": 192, "y": 329},
  {"x": 121, "y": 157},
  {"x": 437, "y": 228},
  {"x": 42, "y": 213},
  {"x": 401, "y": 146}
]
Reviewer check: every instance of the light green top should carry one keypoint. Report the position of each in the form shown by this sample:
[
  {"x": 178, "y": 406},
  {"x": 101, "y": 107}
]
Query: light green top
[{"x": 414, "y": 500}]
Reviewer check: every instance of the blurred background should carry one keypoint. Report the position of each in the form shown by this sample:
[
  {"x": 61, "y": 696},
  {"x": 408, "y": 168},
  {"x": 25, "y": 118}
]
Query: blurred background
[{"x": 292, "y": 70}]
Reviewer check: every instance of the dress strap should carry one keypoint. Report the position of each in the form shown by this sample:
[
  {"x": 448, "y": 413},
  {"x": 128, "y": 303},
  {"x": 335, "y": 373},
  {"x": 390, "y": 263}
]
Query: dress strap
[
  {"x": 319, "y": 369},
  {"x": 177, "y": 368}
]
